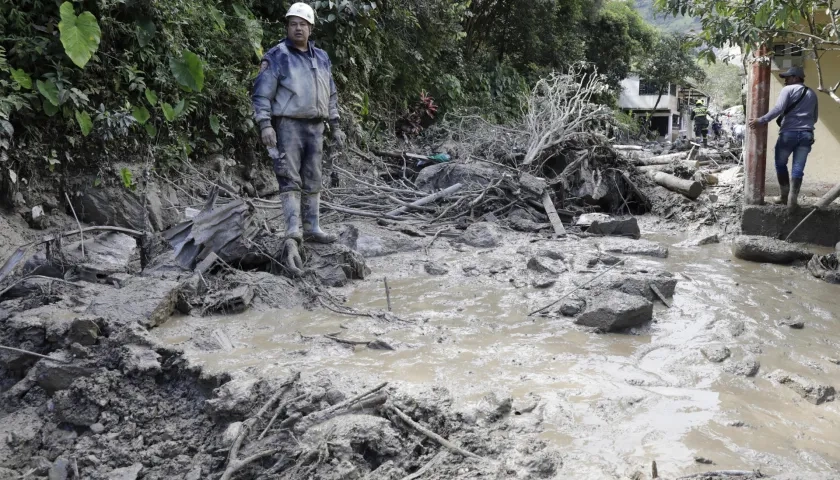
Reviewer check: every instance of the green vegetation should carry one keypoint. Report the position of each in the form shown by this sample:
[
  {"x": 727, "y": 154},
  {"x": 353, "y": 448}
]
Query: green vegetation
[
  {"x": 86, "y": 82},
  {"x": 723, "y": 84}
]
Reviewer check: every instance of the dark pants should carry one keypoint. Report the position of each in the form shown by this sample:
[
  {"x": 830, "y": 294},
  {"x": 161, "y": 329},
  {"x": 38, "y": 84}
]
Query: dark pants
[
  {"x": 701, "y": 129},
  {"x": 300, "y": 147},
  {"x": 799, "y": 144}
]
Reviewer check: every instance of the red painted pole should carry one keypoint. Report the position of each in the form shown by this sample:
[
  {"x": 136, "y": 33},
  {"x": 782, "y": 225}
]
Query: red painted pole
[{"x": 756, "y": 140}]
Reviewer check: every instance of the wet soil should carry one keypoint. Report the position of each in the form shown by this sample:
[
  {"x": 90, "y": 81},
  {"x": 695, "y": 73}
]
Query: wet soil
[{"x": 610, "y": 403}]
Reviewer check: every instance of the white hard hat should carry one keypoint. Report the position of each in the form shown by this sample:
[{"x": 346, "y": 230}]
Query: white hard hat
[{"x": 303, "y": 11}]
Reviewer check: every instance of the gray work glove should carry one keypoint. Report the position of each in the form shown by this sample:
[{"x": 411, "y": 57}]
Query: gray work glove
[
  {"x": 339, "y": 138},
  {"x": 269, "y": 137}
]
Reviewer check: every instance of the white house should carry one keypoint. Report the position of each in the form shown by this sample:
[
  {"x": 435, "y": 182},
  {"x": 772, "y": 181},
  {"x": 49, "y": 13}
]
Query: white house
[{"x": 670, "y": 116}]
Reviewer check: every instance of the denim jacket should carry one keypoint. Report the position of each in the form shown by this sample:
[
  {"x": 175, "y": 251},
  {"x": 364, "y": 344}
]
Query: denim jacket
[{"x": 294, "y": 84}]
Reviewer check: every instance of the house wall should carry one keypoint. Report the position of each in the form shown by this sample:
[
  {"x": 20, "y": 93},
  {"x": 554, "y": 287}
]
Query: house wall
[
  {"x": 629, "y": 99},
  {"x": 823, "y": 168}
]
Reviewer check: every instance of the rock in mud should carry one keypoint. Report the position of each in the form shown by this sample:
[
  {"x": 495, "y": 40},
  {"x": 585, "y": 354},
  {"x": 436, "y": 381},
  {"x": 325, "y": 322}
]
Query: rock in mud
[
  {"x": 235, "y": 397},
  {"x": 106, "y": 254},
  {"x": 108, "y": 205},
  {"x": 126, "y": 473},
  {"x": 148, "y": 301},
  {"x": 85, "y": 330},
  {"x": 715, "y": 353},
  {"x": 755, "y": 248},
  {"x": 60, "y": 469},
  {"x": 335, "y": 265},
  {"x": 699, "y": 241},
  {"x": 639, "y": 283},
  {"x": 443, "y": 175},
  {"x": 350, "y": 435},
  {"x": 435, "y": 269},
  {"x": 482, "y": 235},
  {"x": 70, "y": 409},
  {"x": 618, "y": 227},
  {"x": 825, "y": 267},
  {"x": 748, "y": 367},
  {"x": 371, "y": 241},
  {"x": 794, "y": 324},
  {"x": 808, "y": 389},
  {"x": 614, "y": 310},
  {"x": 137, "y": 359},
  {"x": 546, "y": 265},
  {"x": 236, "y": 300},
  {"x": 543, "y": 282},
  {"x": 570, "y": 308},
  {"x": 523, "y": 221},
  {"x": 634, "y": 247},
  {"x": 52, "y": 376}
]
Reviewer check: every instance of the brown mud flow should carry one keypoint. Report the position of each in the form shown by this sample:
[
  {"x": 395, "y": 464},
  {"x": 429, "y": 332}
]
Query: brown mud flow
[{"x": 723, "y": 375}]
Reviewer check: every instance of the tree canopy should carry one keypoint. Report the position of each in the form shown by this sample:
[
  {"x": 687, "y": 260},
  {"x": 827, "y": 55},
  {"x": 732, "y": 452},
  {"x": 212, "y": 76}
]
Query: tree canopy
[{"x": 671, "y": 61}]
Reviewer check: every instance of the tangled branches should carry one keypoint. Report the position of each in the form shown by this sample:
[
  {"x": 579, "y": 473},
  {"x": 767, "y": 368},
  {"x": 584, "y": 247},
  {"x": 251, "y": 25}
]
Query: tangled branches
[{"x": 561, "y": 107}]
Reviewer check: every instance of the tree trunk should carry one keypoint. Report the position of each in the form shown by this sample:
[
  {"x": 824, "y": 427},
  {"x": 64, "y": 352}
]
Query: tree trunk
[{"x": 689, "y": 188}]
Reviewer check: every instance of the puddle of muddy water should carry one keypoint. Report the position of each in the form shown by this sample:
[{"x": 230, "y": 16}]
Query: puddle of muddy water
[{"x": 611, "y": 403}]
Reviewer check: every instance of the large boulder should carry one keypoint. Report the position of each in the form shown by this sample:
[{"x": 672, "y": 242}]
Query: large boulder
[
  {"x": 148, "y": 301},
  {"x": 482, "y": 235},
  {"x": 108, "y": 205},
  {"x": 443, "y": 175},
  {"x": 613, "y": 310},
  {"x": 370, "y": 241},
  {"x": 602, "y": 224},
  {"x": 638, "y": 283},
  {"x": 105, "y": 255},
  {"x": 755, "y": 248}
]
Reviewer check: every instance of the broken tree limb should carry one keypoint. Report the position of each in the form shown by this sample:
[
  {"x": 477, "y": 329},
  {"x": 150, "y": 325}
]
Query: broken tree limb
[
  {"x": 427, "y": 199},
  {"x": 27, "y": 352},
  {"x": 660, "y": 159},
  {"x": 552, "y": 215},
  {"x": 317, "y": 417},
  {"x": 658, "y": 167},
  {"x": 689, "y": 188},
  {"x": 432, "y": 435},
  {"x": 78, "y": 223}
]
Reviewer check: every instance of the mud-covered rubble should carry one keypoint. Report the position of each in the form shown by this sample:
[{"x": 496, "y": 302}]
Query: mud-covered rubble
[{"x": 768, "y": 250}]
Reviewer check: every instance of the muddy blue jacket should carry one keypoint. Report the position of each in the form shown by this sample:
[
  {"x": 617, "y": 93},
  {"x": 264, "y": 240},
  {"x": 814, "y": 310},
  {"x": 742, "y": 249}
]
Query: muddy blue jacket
[{"x": 294, "y": 84}]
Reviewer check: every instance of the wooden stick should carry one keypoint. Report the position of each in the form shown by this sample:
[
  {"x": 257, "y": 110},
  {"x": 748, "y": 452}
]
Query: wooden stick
[
  {"x": 577, "y": 288},
  {"x": 552, "y": 215},
  {"x": 431, "y": 463},
  {"x": 277, "y": 412},
  {"x": 428, "y": 199},
  {"x": 388, "y": 293},
  {"x": 720, "y": 473},
  {"x": 27, "y": 352},
  {"x": 314, "y": 417},
  {"x": 361, "y": 213},
  {"x": 81, "y": 236},
  {"x": 432, "y": 435},
  {"x": 660, "y": 296}
]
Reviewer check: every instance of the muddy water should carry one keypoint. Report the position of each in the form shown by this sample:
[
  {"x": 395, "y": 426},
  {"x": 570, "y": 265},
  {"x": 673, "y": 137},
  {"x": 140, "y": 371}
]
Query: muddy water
[{"x": 611, "y": 403}]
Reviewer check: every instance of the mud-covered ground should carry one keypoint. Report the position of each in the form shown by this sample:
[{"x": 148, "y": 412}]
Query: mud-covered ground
[{"x": 476, "y": 388}]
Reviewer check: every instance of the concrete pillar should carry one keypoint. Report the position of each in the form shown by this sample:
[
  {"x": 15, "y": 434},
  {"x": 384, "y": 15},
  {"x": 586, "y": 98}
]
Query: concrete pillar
[{"x": 756, "y": 140}]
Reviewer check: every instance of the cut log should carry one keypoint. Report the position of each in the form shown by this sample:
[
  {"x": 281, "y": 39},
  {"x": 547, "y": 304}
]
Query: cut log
[
  {"x": 627, "y": 147},
  {"x": 661, "y": 159},
  {"x": 689, "y": 188},
  {"x": 666, "y": 166},
  {"x": 552, "y": 215}
]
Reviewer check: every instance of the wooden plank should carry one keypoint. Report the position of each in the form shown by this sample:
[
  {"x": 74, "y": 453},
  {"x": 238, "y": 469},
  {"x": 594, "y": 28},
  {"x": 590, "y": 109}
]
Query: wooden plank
[{"x": 552, "y": 215}]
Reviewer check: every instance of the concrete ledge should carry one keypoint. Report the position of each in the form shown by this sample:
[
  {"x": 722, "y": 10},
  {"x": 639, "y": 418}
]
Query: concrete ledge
[{"x": 823, "y": 228}]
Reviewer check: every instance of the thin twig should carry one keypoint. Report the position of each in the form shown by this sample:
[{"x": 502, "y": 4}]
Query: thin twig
[
  {"x": 431, "y": 463},
  {"x": 27, "y": 352},
  {"x": 387, "y": 293},
  {"x": 81, "y": 236}
]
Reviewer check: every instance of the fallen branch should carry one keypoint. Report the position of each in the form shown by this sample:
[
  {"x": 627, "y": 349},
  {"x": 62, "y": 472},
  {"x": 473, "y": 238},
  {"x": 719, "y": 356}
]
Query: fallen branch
[
  {"x": 279, "y": 409},
  {"x": 27, "y": 352},
  {"x": 432, "y": 435},
  {"x": 428, "y": 199},
  {"x": 387, "y": 293},
  {"x": 660, "y": 296},
  {"x": 723, "y": 473},
  {"x": 316, "y": 417},
  {"x": 81, "y": 235}
]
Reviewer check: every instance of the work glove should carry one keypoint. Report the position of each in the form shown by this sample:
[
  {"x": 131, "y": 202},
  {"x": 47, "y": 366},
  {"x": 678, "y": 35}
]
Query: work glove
[
  {"x": 269, "y": 137},
  {"x": 339, "y": 138}
]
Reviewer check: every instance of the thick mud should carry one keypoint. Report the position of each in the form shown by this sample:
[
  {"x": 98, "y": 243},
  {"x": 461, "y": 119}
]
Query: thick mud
[{"x": 692, "y": 387}]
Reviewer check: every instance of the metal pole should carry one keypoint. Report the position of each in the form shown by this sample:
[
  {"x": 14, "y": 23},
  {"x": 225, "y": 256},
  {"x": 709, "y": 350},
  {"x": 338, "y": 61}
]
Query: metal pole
[{"x": 758, "y": 105}]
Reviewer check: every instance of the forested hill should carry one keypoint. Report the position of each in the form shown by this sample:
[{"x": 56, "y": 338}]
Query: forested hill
[{"x": 665, "y": 22}]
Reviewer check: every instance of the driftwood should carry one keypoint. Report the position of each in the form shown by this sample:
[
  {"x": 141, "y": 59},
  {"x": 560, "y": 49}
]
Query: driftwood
[
  {"x": 315, "y": 418},
  {"x": 27, "y": 352},
  {"x": 689, "y": 188},
  {"x": 432, "y": 435},
  {"x": 667, "y": 166},
  {"x": 660, "y": 159},
  {"x": 427, "y": 199}
]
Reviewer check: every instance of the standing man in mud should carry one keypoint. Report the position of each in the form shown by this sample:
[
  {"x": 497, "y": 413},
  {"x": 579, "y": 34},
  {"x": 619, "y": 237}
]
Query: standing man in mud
[
  {"x": 700, "y": 115},
  {"x": 797, "y": 109},
  {"x": 294, "y": 95}
]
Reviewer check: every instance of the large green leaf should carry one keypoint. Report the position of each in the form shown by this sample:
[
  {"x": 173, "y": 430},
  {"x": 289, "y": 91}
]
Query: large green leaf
[
  {"x": 214, "y": 124},
  {"x": 22, "y": 78},
  {"x": 151, "y": 97},
  {"x": 179, "y": 108},
  {"x": 188, "y": 71},
  {"x": 79, "y": 35},
  {"x": 141, "y": 114},
  {"x": 145, "y": 32},
  {"x": 151, "y": 130},
  {"x": 168, "y": 111},
  {"x": 218, "y": 18},
  {"x": 253, "y": 29},
  {"x": 85, "y": 122},
  {"x": 49, "y": 108},
  {"x": 49, "y": 90}
]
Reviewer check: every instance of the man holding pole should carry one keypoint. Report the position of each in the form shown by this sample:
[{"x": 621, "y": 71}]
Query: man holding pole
[
  {"x": 294, "y": 95},
  {"x": 797, "y": 109}
]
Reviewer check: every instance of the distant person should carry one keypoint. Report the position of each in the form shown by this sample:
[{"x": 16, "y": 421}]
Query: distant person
[
  {"x": 700, "y": 115},
  {"x": 717, "y": 127},
  {"x": 294, "y": 95},
  {"x": 797, "y": 112}
]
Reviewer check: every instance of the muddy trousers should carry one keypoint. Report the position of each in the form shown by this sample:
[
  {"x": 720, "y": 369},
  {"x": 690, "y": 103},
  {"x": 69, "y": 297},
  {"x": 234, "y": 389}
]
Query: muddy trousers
[
  {"x": 297, "y": 158},
  {"x": 798, "y": 143}
]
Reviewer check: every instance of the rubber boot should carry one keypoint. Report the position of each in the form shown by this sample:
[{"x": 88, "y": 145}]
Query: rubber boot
[
  {"x": 311, "y": 223},
  {"x": 784, "y": 185},
  {"x": 291, "y": 214},
  {"x": 793, "y": 197}
]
